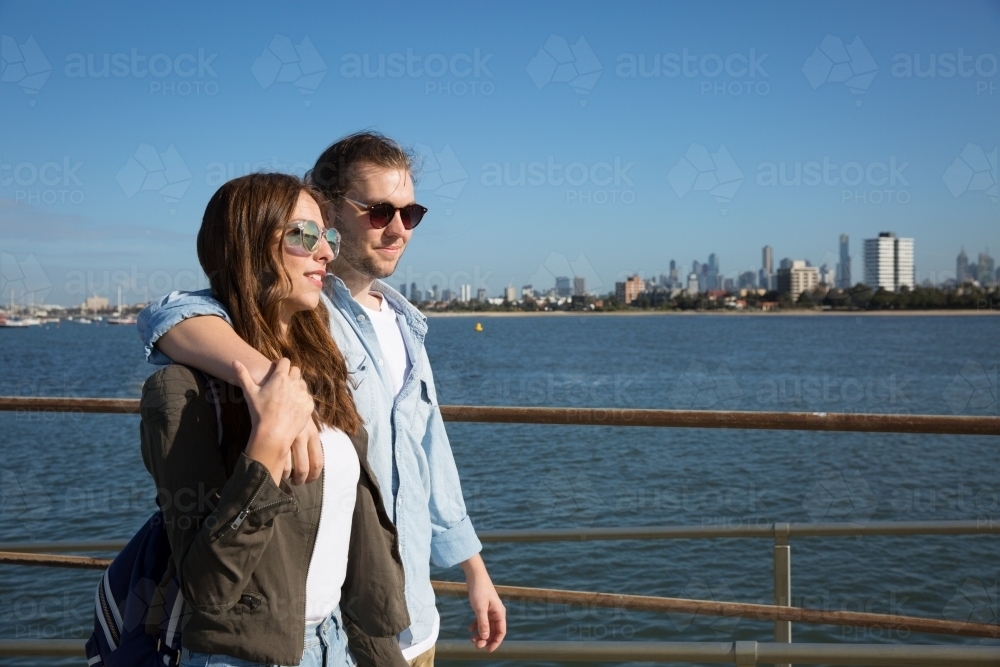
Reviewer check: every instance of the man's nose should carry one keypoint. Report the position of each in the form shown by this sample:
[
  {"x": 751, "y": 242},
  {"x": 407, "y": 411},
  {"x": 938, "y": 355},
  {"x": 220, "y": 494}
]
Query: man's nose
[{"x": 395, "y": 226}]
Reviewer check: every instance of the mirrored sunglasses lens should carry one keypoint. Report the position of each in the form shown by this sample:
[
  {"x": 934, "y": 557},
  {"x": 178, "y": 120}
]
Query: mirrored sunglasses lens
[
  {"x": 310, "y": 236},
  {"x": 333, "y": 238}
]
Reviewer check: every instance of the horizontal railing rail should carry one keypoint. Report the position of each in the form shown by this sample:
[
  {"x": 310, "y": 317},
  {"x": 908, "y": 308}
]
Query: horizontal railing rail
[
  {"x": 740, "y": 653},
  {"x": 841, "y": 529},
  {"x": 790, "y": 421},
  {"x": 758, "y": 612}
]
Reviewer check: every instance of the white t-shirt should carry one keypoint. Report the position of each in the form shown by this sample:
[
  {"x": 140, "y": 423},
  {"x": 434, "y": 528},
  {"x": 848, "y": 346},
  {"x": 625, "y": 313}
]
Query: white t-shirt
[
  {"x": 397, "y": 367},
  {"x": 390, "y": 339},
  {"x": 328, "y": 566}
]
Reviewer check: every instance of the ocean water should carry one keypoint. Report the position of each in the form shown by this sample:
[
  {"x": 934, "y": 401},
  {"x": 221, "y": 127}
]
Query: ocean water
[{"x": 77, "y": 477}]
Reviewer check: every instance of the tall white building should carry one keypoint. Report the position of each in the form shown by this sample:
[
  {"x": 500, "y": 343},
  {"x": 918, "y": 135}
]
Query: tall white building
[
  {"x": 889, "y": 262},
  {"x": 465, "y": 293}
]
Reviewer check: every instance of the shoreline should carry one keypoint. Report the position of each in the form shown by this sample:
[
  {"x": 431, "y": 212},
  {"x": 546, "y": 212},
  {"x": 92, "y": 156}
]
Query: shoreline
[{"x": 724, "y": 313}]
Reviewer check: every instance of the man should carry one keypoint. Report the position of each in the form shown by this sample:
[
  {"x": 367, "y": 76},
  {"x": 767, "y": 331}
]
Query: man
[{"x": 367, "y": 179}]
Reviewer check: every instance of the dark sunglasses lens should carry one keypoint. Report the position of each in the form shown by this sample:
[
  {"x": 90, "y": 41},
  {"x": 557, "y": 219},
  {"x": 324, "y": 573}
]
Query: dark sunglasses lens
[
  {"x": 412, "y": 215},
  {"x": 381, "y": 214}
]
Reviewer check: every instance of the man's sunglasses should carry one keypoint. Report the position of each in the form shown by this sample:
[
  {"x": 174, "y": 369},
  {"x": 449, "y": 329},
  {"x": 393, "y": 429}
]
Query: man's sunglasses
[
  {"x": 306, "y": 234},
  {"x": 381, "y": 214}
]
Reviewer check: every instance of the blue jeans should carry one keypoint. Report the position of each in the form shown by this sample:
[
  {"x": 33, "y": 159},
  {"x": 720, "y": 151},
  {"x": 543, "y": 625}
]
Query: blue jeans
[{"x": 325, "y": 646}]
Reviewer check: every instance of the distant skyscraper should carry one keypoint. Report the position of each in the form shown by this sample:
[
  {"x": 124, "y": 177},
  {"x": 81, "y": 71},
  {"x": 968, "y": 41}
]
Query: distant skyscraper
[
  {"x": 961, "y": 267},
  {"x": 481, "y": 294},
  {"x": 844, "y": 268},
  {"x": 465, "y": 293},
  {"x": 414, "y": 293},
  {"x": 510, "y": 294},
  {"x": 563, "y": 287},
  {"x": 767, "y": 268},
  {"x": 402, "y": 290},
  {"x": 692, "y": 285},
  {"x": 889, "y": 262},
  {"x": 985, "y": 268},
  {"x": 713, "y": 272},
  {"x": 579, "y": 286}
]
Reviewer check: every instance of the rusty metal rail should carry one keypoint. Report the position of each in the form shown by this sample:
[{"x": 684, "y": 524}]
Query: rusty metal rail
[
  {"x": 787, "y": 421},
  {"x": 740, "y": 653},
  {"x": 758, "y": 612}
]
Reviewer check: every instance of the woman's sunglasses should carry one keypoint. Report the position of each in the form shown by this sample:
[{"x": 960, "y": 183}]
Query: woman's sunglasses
[
  {"x": 306, "y": 234},
  {"x": 381, "y": 214}
]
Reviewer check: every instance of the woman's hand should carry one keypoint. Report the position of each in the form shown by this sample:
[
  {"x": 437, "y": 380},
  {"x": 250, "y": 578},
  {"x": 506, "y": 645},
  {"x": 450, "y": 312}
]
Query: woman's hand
[{"x": 280, "y": 408}]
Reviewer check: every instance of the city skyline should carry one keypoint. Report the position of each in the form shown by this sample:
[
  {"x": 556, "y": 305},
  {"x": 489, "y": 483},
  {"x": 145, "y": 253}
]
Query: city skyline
[{"x": 606, "y": 136}]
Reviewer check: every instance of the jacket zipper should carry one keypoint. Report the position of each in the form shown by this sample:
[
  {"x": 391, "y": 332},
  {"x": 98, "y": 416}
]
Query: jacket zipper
[{"x": 246, "y": 511}]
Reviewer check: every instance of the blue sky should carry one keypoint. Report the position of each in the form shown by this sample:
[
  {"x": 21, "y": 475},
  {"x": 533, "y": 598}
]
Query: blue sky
[{"x": 645, "y": 131}]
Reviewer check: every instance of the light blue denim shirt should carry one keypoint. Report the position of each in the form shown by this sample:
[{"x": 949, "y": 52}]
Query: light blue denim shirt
[{"x": 408, "y": 447}]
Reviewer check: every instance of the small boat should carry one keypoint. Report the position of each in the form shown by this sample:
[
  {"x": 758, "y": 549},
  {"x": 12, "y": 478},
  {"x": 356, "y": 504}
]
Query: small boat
[
  {"x": 118, "y": 318},
  {"x": 19, "y": 322}
]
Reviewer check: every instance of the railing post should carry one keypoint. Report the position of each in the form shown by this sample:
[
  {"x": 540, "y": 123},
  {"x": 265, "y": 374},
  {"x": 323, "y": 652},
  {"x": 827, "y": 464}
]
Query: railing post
[{"x": 782, "y": 582}]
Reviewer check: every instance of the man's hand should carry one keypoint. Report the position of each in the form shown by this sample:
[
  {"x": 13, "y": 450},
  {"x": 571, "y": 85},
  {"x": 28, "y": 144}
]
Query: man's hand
[
  {"x": 280, "y": 407},
  {"x": 305, "y": 461},
  {"x": 491, "y": 617}
]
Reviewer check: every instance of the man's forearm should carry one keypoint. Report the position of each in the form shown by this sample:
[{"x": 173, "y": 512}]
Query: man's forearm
[{"x": 209, "y": 344}]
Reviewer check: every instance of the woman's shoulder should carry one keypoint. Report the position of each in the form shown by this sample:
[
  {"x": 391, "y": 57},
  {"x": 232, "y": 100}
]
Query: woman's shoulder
[{"x": 171, "y": 388}]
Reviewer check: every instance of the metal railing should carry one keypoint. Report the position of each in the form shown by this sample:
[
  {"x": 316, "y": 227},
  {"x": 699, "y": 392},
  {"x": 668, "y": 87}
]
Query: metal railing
[{"x": 781, "y": 652}]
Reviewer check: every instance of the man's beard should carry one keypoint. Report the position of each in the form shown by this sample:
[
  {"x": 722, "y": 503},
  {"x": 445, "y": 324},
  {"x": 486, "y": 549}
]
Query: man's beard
[{"x": 351, "y": 254}]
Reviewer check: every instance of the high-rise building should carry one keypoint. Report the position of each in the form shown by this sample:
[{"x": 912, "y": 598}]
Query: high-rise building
[
  {"x": 481, "y": 294},
  {"x": 767, "y": 268},
  {"x": 844, "y": 267},
  {"x": 563, "y": 287},
  {"x": 889, "y": 262},
  {"x": 465, "y": 293},
  {"x": 961, "y": 267},
  {"x": 527, "y": 292},
  {"x": 692, "y": 286},
  {"x": 712, "y": 274},
  {"x": 402, "y": 290},
  {"x": 826, "y": 275},
  {"x": 985, "y": 268},
  {"x": 510, "y": 294},
  {"x": 414, "y": 293},
  {"x": 796, "y": 277},
  {"x": 747, "y": 280},
  {"x": 447, "y": 296},
  {"x": 629, "y": 291},
  {"x": 579, "y": 285}
]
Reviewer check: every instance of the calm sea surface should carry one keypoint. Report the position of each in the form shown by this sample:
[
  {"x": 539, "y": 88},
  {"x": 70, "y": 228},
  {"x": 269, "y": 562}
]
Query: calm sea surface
[{"x": 80, "y": 477}]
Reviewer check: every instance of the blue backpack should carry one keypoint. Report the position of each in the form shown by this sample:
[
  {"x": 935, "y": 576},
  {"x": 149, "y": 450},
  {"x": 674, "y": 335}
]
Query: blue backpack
[{"x": 139, "y": 609}]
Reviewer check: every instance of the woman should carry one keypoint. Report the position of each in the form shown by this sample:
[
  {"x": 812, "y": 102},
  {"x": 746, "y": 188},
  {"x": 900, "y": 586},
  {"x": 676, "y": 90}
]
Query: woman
[{"x": 266, "y": 567}]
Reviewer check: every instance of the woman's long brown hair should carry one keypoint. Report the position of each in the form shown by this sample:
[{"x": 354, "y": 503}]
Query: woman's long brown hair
[{"x": 240, "y": 247}]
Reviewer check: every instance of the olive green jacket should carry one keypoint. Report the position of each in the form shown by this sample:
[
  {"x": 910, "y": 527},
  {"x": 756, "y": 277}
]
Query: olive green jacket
[{"x": 242, "y": 545}]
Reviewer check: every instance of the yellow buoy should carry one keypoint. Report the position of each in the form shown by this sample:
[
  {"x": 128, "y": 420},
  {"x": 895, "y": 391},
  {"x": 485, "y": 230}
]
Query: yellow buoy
[{"x": 479, "y": 326}]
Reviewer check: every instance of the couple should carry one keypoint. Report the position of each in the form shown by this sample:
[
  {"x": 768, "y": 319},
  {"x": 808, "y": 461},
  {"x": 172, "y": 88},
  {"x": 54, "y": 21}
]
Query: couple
[{"x": 339, "y": 401}]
